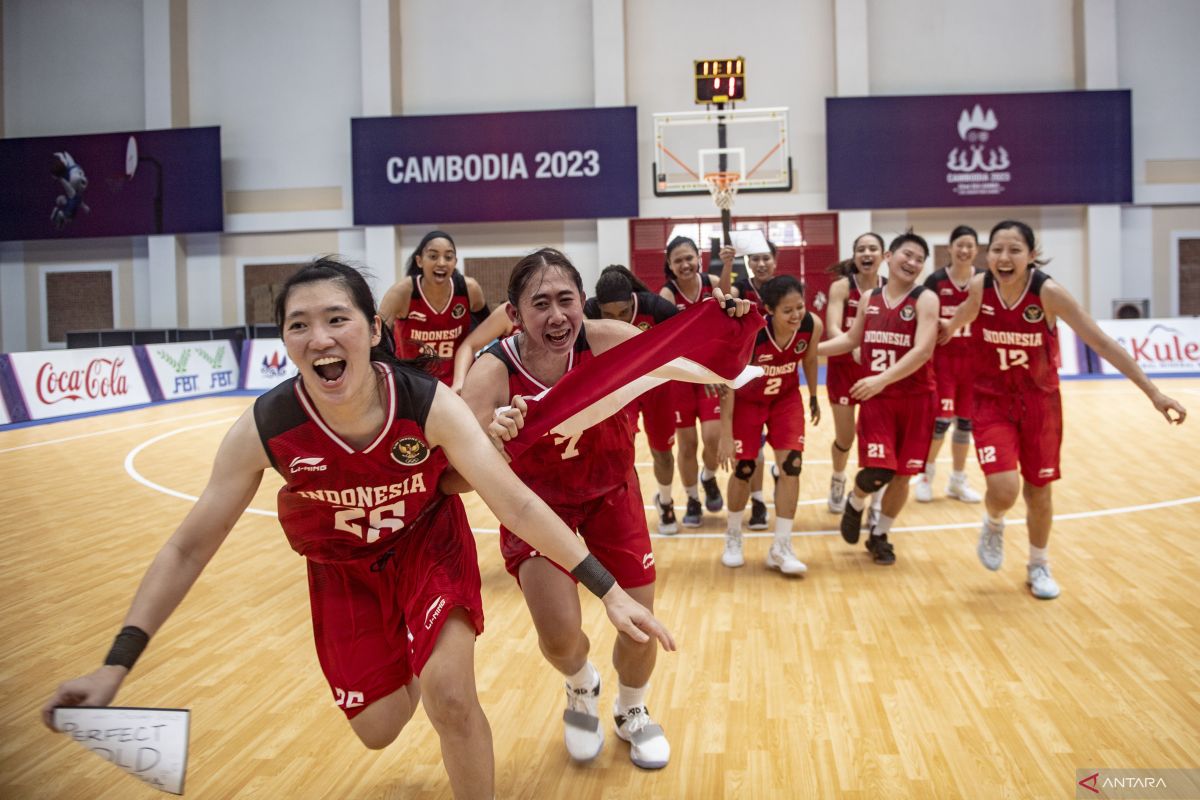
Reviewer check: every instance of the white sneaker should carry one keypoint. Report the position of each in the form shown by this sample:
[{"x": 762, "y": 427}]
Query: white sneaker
[
  {"x": 732, "y": 557},
  {"x": 837, "y": 495},
  {"x": 1040, "y": 582},
  {"x": 991, "y": 545},
  {"x": 581, "y": 722},
  {"x": 922, "y": 490},
  {"x": 781, "y": 557},
  {"x": 648, "y": 745},
  {"x": 961, "y": 491}
]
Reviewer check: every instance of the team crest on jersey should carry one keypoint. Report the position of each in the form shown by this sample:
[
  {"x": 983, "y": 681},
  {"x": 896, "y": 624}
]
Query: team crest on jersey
[
  {"x": 800, "y": 347},
  {"x": 410, "y": 451},
  {"x": 459, "y": 310},
  {"x": 644, "y": 325},
  {"x": 1033, "y": 314},
  {"x": 907, "y": 313}
]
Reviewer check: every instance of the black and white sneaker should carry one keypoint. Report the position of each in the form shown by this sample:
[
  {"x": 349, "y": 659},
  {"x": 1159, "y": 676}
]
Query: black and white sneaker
[
  {"x": 693, "y": 515},
  {"x": 666, "y": 517},
  {"x": 881, "y": 549},
  {"x": 851, "y": 523},
  {"x": 712, "y": 494},
  {"x": 758, "y": 515},
  {"x": 648, "y": 745}
]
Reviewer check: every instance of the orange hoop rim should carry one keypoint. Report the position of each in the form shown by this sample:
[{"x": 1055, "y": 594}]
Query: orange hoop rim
[{"x": 722, "y": 180}]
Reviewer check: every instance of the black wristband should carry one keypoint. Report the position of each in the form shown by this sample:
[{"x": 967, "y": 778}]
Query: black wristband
[
  {"x": 126, "y": 648},
  {"x": 592, "y": 574}
]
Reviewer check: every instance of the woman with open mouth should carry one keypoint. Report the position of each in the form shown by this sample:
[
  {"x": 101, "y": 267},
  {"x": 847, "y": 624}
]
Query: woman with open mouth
[
  {"x": 590, "y": 481},
  {"x": 432, "y": 309},
  {"x": 1018, "y": 410},
  {"x": 361, "y": 441}
]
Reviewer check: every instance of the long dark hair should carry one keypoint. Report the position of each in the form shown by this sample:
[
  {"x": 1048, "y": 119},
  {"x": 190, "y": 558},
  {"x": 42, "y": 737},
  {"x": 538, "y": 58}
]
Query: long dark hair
[
  {"x": 617, "y": 284},
  {"x": 331, "y": 268},
  {"x": 413, "y": 269},
  {"x": 845, "y": 267},
  {"x": 524, "y": 270},
  {"x": 678, "y": 241}
]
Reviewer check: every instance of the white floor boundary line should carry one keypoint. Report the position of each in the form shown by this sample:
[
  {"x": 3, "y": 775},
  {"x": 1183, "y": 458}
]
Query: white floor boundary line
[{"x": 114, "y": 430}]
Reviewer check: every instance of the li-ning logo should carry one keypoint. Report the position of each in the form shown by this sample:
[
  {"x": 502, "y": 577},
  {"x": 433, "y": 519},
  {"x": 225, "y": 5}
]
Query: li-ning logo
[
  {"x": 648, "y": 561},
  {"x": 434, "y": 611},
  {"x": 310, "y": 464},
  {"x": 971, "y": 171}
]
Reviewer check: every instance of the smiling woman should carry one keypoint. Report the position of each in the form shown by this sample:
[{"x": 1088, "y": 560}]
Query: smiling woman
[{"x": 361, "y": 440}]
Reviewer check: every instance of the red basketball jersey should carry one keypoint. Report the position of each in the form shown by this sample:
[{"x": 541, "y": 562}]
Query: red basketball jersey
[
  {"x": 340, "y": 503},
  {"x": 849, "y": 314},
  {"x": 890, "y": 332},
  {"x": 951, "y": 295},
  {"x": 747, "y": 291},
  {"x": 433, "y": 331},
  {"x": 780, "y": 363},
  {"x": 568, "y": 470},
  {"x": 682, "y": 301},
  {"x": 1018, "y": 351},
  {"x": 649, "y": 309}
]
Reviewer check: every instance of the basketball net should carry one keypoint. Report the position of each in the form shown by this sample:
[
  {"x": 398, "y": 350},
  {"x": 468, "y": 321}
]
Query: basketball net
[{"x": 723, "y": 188}]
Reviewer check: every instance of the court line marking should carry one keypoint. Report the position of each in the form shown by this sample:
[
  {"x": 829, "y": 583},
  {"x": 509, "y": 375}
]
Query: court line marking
[
  {"x": 1100, "y": 512},
  {"x": 114, "y": 430}
]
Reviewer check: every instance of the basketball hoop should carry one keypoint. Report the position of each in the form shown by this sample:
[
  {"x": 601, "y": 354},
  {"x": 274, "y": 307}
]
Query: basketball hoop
[{"x": 723, "y": 187}]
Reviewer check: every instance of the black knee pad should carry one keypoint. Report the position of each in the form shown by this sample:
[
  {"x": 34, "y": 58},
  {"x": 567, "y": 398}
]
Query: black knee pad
[
  {"x": 872, "y": 479},
  {"x": 744, "y": 469},
  {"x": 963, "y": 424},
  {"x": 792, "y": 463},
  {"x": 940, "y": 426}
]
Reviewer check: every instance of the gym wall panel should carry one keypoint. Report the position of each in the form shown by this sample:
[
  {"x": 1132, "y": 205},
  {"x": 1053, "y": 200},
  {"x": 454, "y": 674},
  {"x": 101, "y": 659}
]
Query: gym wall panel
[{"x": 72, "y": 67}]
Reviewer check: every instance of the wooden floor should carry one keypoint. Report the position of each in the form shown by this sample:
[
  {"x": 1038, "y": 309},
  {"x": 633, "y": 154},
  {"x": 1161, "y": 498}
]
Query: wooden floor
[{"x": 933, "y": 678}]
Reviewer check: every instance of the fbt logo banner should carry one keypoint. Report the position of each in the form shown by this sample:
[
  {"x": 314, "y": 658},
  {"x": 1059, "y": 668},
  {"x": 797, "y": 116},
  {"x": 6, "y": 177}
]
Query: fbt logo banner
[
  {"x": 190, "y": 369},
  {"x": 58, "y": 383},
  {"x": 265, "y": 364},
  {"x": 1157, "y": 345}
]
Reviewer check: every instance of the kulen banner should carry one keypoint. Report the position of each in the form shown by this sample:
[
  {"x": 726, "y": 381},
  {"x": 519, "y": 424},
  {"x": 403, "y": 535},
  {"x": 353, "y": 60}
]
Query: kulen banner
[
  {"x": 572, "y": 164},
  {"x": 943, "y": 151}
]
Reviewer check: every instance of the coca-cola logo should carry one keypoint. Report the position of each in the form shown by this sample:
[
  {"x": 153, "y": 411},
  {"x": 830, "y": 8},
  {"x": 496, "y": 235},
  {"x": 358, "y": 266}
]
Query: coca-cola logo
[{"x": 100, "y": 378}]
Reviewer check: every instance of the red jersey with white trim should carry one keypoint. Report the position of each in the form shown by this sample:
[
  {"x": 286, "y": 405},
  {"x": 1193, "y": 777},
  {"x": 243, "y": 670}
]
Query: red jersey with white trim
[
  {"x": 433, "y": 331},
  {"x": 568, "y": 470},
  {"x": 890, "y": 332},
  {"x": 747, "y": 291},
  {"x": 849, "y": 313},
  {"x": 682, "y": 301},
  {"x": 340, "y": 503},
  {"x": 1017, "y": 350},
  {"x": 780, "y": 363},
  {"x": 951, "y": 296},
  {"x": 649, "y": 309}
]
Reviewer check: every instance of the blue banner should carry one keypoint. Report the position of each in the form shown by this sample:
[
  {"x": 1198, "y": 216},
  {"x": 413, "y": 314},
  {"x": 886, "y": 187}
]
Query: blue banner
[
  {"x": 111, "y": 184},
  {"x": 571, "y": 164},
  {"x": 939, "y": 151}
]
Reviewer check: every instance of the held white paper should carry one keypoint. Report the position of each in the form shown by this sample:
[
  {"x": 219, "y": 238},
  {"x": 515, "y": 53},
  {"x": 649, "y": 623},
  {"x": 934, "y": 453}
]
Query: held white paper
[
  {"x": 149, "y": 743},
  {"x": 749, "y": 243}
]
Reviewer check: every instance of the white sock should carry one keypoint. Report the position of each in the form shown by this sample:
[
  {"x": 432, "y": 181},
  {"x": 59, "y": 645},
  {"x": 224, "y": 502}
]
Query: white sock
[
  {"x": 883, "y": 525},
  {"x": 958, "y": 476},
  {"x": 995, "y": 522},
  {"x": 758, "y": 496},
  {"x": 783, "y": 530},
  {"x": 584, "y": 679},
  {"x": 855, "y": 501},
  {"x": 630, "y": 696},
  {"x": 664, "y": 493},
  {"x": 877, "y": 499},
  {"x": 839, "y": 476},
  {"x": 706, "y": 473},
  {"x": 735, "y": 520},
  {"x": 930, "y": 470},
  {"x": 1039, "y": 556},
  {"x": 692, "y": 492}
]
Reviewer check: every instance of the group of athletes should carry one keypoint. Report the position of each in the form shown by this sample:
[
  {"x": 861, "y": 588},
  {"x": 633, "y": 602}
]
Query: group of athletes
[{"x": 374, "y": 443}]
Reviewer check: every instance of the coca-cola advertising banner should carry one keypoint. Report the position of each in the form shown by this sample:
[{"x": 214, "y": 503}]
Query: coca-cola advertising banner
[
  {"x": 191, "y": 369},
  {"x": 945, "y": 151},
  {"x": 265, "y": 364},
  {"x": 1170, "y": 346},
  {"x": 111, "y": 184},
  {"x": 55, "y": 383},
  {"x": 572, "y": 164}
]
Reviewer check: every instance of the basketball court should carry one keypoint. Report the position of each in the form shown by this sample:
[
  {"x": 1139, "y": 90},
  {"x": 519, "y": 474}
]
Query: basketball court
[{"x": 932, "y": 678}]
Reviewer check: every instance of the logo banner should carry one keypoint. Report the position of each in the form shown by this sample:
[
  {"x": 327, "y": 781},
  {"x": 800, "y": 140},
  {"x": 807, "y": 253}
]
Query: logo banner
[
  {"x": 265, "y": 364},
  {"x": 942, "y": 151},
  {"x": 191, "y": 369},
  {"x": 571, "y": 164},
  {"x": 111, "y": 184},
  {"x": 1162, "y": 346},
  {"x": 57, "y": 383}
]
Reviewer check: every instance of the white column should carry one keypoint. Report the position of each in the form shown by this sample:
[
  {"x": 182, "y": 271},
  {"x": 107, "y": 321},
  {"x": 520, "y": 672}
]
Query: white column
[
  {"x": 204, "y": 309},
  {"x": 13, "y": 308},
  {"x": 1104, "y": 265},
  {"x": 156, "y": 44},
  {"x": 611, "y": 235},
  {"x": 379, "y": 253},
  {"x": 163, "y": 257},
  {"x": 375, "y": 50},
  {"x": 852, "y": 64}
]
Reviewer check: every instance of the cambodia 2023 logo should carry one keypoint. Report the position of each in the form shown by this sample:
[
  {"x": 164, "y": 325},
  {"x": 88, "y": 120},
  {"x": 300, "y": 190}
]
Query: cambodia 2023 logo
[{"x": 978, "y": 167}]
